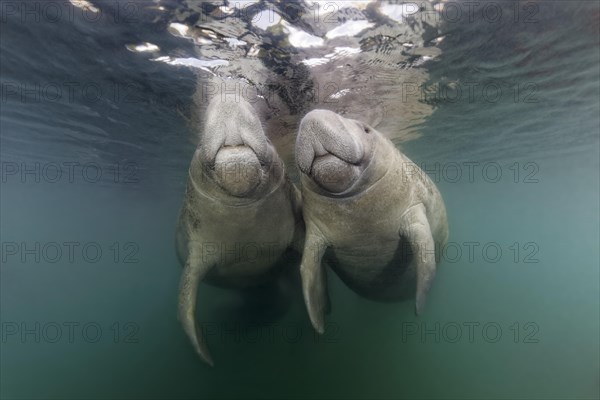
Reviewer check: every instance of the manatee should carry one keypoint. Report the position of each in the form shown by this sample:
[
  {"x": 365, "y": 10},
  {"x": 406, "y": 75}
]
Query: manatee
[
  {"x": 371, "y": 214},
  {"x": 240, "y": 213}
]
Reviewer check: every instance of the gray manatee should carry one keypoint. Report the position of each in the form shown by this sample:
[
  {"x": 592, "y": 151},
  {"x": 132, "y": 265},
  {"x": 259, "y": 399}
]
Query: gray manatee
[
  {"x": 239, "y": 214},
  {"x": 371, "y": 214}
]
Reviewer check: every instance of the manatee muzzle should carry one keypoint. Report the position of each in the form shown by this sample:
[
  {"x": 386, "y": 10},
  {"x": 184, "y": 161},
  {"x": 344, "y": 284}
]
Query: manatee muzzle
[
  {"x": 237, "y": 170},
  {"x": 333, "y": 174},
  {"x": 234, "y": 148},
  {"x": 329, "y": 149}
]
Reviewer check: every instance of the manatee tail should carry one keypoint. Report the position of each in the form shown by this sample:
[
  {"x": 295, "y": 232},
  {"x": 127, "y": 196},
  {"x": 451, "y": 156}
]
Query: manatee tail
[{"x": 188, "y": 290}]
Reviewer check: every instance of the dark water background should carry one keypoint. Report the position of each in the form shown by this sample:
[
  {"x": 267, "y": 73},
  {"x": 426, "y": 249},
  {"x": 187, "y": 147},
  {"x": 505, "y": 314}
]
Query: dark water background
[{"x": 517, "y": 166}]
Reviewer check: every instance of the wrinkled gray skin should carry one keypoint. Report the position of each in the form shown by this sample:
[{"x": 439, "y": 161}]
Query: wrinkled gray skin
[
  {"x": 371, "y": 214},
  {"x": 239, "y": 213}
]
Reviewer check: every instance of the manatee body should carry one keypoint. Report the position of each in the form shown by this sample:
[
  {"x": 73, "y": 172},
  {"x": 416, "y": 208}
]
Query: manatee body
[
  {"x": 239, "y": 214},
  {"x": 371, "y": 214}
]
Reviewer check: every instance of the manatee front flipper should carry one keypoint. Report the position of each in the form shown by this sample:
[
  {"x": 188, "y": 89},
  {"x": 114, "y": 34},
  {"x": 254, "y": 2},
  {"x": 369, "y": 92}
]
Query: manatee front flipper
[
  {"x": 415, "y": 228},
  {"x": 314, "y": 279},
  {"x": 193, "y": 272}
]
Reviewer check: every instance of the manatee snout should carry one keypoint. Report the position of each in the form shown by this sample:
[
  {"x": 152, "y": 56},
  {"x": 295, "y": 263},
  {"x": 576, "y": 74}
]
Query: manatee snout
[
  {"x": 333, "y": 174},
  {"x": 237, "y": 170},
  {"x": 234, "y": 148},
  {"x": 332, "y": 150}
]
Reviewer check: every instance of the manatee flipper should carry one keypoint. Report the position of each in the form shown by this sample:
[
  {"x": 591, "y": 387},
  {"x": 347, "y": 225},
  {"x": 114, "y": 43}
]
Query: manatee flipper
[
  {"x": 314, "y": 280},
  {"x": 415, "y": 228},
  {"x": 193, "y": 272}
]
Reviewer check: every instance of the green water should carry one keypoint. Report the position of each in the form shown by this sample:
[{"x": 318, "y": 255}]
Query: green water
[{"x": 545, "y": 308}]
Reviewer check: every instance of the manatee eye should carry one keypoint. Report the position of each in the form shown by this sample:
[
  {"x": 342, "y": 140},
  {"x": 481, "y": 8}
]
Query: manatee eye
[{"x": 367, "y": 129}]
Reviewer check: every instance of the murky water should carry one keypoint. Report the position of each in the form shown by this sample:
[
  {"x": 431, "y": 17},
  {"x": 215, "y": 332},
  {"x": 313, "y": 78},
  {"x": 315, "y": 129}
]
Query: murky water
[{"x": 100, "y": 103}]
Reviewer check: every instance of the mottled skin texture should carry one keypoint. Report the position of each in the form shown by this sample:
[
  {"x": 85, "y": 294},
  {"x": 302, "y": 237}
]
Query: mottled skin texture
[
  {"x": 240, "y": 213},
  {"x": 371, "y": 214}
]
